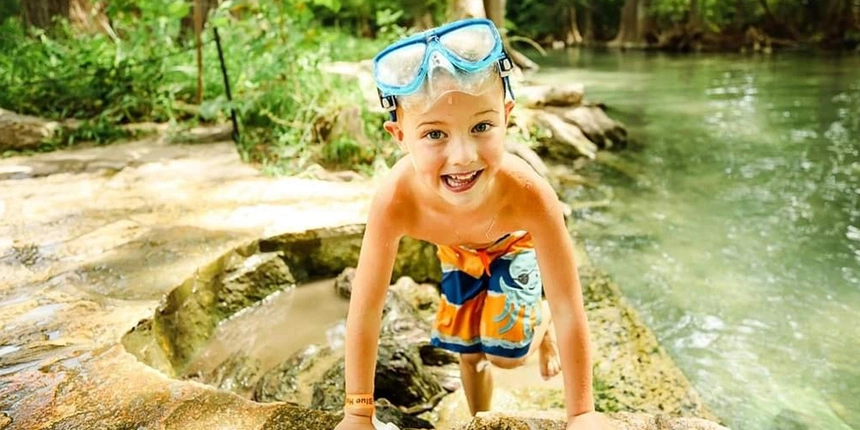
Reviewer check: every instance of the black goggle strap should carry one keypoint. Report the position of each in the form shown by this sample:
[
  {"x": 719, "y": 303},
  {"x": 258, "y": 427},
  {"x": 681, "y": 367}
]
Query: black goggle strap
[
  {"x": 388, "y": 103},
  {"x": 506, "y": 67}
]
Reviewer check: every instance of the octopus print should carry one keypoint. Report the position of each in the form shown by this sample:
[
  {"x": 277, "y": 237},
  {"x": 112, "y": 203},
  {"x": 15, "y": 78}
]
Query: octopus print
[{"x": 521, "y": 286}]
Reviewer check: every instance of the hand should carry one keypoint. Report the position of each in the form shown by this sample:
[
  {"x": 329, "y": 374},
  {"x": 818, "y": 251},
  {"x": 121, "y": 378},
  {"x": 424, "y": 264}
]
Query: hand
[
  {"x": 588, "y": 421},
  {"x": 355, "y": 422}
]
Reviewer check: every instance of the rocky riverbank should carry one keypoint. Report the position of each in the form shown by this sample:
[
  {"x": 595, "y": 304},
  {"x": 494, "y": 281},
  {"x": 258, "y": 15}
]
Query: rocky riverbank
[{"x": 119, "y": 262}]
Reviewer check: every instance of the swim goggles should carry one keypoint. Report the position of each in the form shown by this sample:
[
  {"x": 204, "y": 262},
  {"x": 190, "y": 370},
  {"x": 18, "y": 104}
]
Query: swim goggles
[{"x": 468, "y": 52}]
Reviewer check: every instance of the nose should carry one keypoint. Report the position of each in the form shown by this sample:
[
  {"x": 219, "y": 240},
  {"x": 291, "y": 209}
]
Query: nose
[{"x": 462, "y": 151}]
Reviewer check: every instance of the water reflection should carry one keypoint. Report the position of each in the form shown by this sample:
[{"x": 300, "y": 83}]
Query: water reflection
[
  {"x": 275, "y": 328},
  {"x": 752, "y": 210}
]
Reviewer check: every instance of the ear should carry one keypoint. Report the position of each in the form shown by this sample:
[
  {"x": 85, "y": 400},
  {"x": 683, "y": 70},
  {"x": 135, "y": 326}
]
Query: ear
[
  {"x": 509, "y": 106},
  {"x": 393, "y": 128}
]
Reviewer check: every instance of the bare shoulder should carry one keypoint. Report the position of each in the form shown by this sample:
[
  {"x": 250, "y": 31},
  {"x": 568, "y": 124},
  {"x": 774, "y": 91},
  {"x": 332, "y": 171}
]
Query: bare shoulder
[
  {"x": 393, "y": 199},
  {"x": 528, "y": 191}
]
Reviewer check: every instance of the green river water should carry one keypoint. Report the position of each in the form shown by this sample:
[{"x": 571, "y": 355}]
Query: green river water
[{"x": 734, "y": 225}]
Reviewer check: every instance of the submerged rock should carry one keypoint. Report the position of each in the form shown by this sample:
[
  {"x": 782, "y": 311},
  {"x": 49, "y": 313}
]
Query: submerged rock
[
  {"x": 314, "y": 377},
  {"x": 343, "y": 283}
]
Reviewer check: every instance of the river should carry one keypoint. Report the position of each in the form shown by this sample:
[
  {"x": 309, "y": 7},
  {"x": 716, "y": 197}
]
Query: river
[{"x": 734, "y": 223}]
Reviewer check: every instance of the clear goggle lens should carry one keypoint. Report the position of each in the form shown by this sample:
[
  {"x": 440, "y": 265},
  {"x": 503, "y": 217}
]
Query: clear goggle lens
[{"x": 470, "y": 45}]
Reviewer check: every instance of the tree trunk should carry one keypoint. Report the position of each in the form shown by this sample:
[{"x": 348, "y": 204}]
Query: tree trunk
[
  {"x": 633, "y": 24},
  {"x": 40, "y": 13},
  {"x": 83, "y": 15},
  {"x": 495, "y": 11},
  {"x": 571, "y": 27},
  {"x": 588, "y": 34},
  {"x": 839, "y": 20},
  {"x": 188, "y": 25},
  {"x": 695, "y": 19},
  {"x": 459, "y": 9},
  {"x": 739, "y": 16}
]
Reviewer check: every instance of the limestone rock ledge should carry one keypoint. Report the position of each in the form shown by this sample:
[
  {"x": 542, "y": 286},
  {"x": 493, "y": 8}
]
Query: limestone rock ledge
[{"x": 615, "y": 421}]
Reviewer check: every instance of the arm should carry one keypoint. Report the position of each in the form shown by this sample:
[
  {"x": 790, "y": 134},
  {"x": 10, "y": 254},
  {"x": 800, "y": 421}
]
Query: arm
[
  {"x": 372, "y": 277},
  {"x": 556, "y": 261}
]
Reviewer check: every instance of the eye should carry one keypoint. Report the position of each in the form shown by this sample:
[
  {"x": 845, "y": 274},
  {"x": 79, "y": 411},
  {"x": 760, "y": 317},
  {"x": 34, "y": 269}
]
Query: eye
[
  {"x": 482, "y": 127},
  {"x": 434, "y": 135},
  {"x": 523, "y": 278}
]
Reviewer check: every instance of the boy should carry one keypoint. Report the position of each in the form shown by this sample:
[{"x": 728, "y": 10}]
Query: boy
[{"x": 492, "y": 217}]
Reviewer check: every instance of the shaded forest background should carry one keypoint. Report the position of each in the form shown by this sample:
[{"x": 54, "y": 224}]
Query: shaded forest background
[{"x": 107, "y": 63}]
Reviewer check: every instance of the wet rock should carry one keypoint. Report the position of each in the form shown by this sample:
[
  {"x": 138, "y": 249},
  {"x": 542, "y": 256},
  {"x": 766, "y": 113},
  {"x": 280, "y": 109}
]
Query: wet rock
[
  {"x": 422, "y": 297},
  {"x": 433, "y": 356},
  {"x": 596, "y": 125},
  {"x": 632, "y": 371},
  {"x": 531, "y": 157},
  {"x": 550, "y": 95},
  {"x": 189, "y": 314},
  {"x": 293, "y": 380},
  {"x": 566, "y": 141},
  {"x": 388, "y": 413},
  {"x": 343, "y": 282},
  {"x": 250, "y": 280},
  {"x": 327, "y": 252},
  {"x": 291, "y": 417},
  {"x": 314, "y": 377},
  {"x": 237, "y": 374},
  {"x": 536, "y": 420}
]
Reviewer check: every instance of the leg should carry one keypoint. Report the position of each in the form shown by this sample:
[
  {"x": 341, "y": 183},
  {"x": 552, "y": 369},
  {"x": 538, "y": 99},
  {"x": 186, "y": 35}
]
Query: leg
[
  {"x": 543, "y": 341},
  {"x": 549, "y": 360},
  {"x": 477, "y": 381}
]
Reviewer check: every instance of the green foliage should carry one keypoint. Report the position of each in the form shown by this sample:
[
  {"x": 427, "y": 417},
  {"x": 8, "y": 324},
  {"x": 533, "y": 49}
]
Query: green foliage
[
  {"x": 274, "y": 52},
  {"x": 8, "y": 9}
]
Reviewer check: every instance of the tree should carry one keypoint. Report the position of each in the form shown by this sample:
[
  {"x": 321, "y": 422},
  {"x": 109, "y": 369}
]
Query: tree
[
  {"x": 633, "y": 28},
  {"x": 82, "y": 14},
  {"x": 588, "y": 31},
  {"x": 570, "y": 27},
  {"x": 459, "y": 9}
]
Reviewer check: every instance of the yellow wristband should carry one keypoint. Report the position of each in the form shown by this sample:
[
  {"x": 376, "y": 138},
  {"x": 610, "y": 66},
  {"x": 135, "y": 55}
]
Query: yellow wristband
[{"x": 359, "y": 401}]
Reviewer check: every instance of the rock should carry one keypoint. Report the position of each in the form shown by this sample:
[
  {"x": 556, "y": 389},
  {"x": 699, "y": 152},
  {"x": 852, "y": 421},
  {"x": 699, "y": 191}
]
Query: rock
[
  {"x": 291, "y": 417},
  {"x": 236, "y": 374},
  {"x": 293, "y": 380},
  {"x": 20, "y": 132},
  {"x": 632, "y": 372},
  {"x": 314, "y": 377},
  {"x": 595, "y": 125},
  {"x": 343, "y": 282},
  {"x": 550, "y": 95},
  {"x": 250, "y": 280},
  {"x": 327, "y": 252},
  {"x": 567, "y": 141},
  {"x": 422, "y": 297},
  {"x": 556, "y": 421},
  {"x": 188, "y": 315},
  {"x": 528, "y": 155}
]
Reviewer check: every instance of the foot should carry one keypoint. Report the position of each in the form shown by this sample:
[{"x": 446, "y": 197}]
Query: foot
[{"x": 550, "y": 365}]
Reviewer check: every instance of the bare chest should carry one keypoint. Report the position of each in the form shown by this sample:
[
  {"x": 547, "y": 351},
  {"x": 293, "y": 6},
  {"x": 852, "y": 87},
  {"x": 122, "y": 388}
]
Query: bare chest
[{"x": 474, "y": 231}]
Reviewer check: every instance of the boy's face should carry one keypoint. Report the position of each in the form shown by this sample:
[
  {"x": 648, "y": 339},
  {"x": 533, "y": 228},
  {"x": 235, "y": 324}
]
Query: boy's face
[{"x": 456, "y": 142}]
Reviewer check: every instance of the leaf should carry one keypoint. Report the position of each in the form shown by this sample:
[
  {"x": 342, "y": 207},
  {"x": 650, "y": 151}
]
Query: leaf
[{"x": 178, "y": 9}]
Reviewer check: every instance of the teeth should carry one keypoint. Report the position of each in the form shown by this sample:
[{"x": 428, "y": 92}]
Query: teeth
[{"x": 464, "y": 176}]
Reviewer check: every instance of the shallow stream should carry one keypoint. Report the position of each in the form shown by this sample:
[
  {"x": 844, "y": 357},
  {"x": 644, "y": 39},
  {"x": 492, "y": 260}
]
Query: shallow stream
[{"x": 734, "y": 225}]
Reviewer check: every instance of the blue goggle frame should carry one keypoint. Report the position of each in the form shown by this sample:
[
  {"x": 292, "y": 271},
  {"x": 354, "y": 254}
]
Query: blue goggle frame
[{"x": 430, "y": 38}]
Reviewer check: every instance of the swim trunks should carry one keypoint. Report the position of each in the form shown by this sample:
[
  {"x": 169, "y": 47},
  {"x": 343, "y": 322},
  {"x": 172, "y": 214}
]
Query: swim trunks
[{"x": 491, "y": 298}]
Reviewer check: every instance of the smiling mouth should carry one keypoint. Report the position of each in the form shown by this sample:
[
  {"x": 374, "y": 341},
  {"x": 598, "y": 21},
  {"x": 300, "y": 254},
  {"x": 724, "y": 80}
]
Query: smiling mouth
[{"x": 459, "y": 182}]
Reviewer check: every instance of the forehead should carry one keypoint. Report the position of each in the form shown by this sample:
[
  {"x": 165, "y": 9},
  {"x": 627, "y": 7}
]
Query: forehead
[{"x": 454, "y": 105}]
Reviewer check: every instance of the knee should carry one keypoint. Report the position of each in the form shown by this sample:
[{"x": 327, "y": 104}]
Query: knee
[
  {"x": 472, "y": 360},
  {"x": 506, "y": 362}
]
